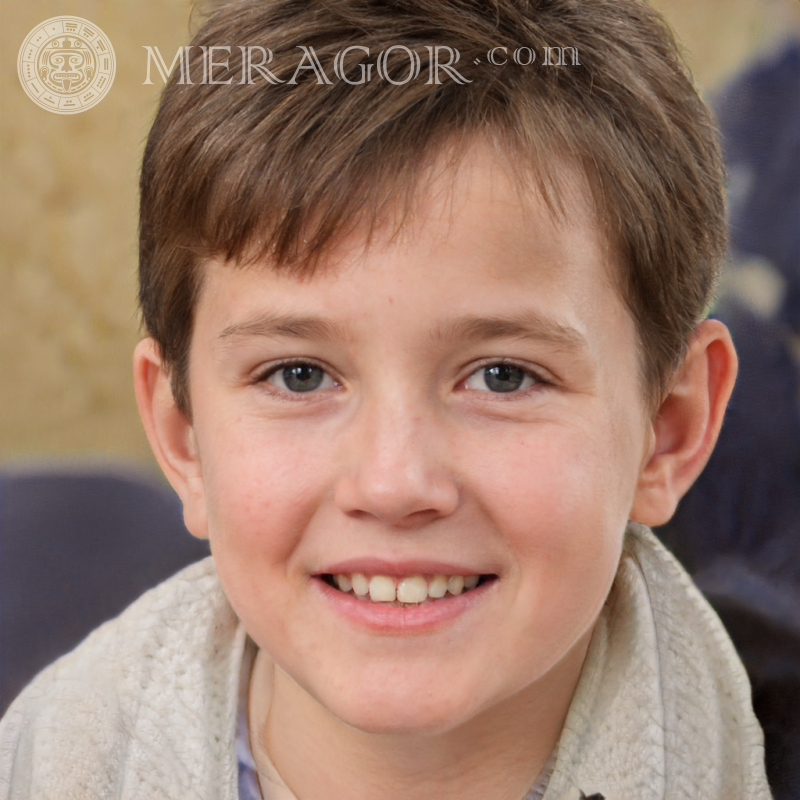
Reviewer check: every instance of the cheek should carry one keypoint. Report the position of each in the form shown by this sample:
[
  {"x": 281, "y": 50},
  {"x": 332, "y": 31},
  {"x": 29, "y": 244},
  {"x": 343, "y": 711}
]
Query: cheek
[
  {"x": 262, "y": 488},
  {"x": 549, "y": 482},
  {"x": 559, "y": 503}
]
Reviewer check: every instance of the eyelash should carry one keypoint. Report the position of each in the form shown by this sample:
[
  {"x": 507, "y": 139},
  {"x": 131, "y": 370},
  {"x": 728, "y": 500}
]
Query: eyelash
[{"x": 537, "y": 378}]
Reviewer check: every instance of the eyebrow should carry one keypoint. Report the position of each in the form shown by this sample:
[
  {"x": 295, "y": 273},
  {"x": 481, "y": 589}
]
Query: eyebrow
[
  {"x": 471, "y": 328},
  {"x": 285, "y": 326},
  {"x": 524, "y": 325}
]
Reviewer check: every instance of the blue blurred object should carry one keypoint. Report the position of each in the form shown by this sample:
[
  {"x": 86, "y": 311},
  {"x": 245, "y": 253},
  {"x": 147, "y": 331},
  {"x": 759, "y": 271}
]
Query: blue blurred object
[
  {"x": 738, "y": 529},
  {"x": 759, "y": 115},
  {"x": 77, "y": 547}
]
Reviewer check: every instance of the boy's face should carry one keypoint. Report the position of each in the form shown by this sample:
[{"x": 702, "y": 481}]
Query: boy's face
[{"x": 462, "y": 400}]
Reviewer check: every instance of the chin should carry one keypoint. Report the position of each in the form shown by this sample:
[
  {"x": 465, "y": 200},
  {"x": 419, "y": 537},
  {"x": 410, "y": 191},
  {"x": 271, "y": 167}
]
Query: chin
[
  {"x": 402, "y": 713},
  {"x": 398, "y": 722}
]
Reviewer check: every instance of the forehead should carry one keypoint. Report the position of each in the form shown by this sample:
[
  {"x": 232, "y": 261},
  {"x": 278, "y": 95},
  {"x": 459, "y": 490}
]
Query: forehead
[{"x": 477, "y": 241}]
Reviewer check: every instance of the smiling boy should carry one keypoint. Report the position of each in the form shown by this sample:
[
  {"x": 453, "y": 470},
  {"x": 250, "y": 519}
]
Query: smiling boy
[{"x": 422, "y": 361}]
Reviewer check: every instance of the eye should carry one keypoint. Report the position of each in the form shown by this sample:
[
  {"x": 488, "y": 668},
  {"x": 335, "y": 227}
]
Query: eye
[
  {"x": 500, "y": 378},
  {"x": 300, "y": 377}
]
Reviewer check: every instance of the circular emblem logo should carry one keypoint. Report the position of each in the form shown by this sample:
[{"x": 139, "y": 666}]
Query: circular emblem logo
[{"x": 66, "y": 65}]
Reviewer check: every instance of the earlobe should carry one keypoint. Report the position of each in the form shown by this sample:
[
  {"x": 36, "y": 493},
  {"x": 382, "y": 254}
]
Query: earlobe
[
  {"x": 687, "y": 424},
  {"x": 170, "y": 434}
]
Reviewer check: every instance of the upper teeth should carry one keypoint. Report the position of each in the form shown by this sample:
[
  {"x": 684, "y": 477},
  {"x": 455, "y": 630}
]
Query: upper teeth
[{"x": 413, "y": 589}]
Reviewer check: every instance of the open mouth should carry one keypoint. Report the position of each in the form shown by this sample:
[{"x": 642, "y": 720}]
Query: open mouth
[{"x": 414, "y": 590}]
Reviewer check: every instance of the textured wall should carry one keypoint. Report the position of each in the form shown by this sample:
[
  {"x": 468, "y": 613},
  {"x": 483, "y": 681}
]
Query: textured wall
[
  {"x": 719, "y": 35},
  {"x": 68, "y": 231},
  {"x": 68, "y": 318}
]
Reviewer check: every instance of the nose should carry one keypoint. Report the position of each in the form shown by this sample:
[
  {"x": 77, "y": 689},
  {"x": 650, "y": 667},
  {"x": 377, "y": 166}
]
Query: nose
[{"x": 396, "y": 468}]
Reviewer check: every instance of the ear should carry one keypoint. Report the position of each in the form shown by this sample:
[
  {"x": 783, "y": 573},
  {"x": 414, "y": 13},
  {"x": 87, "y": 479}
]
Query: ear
[
  {"x": 170, "y": 434},
  {"x": 686, "y": 426}
]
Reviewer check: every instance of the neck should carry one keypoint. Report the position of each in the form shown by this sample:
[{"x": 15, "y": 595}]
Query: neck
[{"x": 496, "y": 755}]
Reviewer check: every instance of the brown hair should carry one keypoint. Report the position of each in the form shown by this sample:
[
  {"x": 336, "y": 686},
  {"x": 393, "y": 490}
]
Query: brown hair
[{"x": 281, "y": 170}]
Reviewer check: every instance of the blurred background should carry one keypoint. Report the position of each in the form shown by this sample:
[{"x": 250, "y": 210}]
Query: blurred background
[{"x": 84, "y": 512}]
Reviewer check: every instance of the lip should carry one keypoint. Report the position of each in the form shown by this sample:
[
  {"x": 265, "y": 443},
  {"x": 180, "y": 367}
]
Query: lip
[
  {"x": 398, "y": 569},
  {"x": 401, "y": 620}
]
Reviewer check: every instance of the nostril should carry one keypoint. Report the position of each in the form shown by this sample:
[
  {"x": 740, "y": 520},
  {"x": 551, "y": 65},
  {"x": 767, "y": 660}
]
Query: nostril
[{"x": 403, "y": 496}]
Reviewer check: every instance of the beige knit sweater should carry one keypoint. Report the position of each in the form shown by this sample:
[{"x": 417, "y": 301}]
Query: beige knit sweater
[{"x": 146, "y": 707}]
